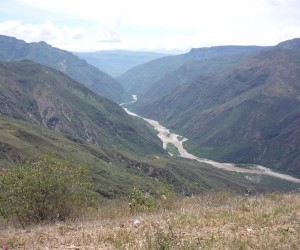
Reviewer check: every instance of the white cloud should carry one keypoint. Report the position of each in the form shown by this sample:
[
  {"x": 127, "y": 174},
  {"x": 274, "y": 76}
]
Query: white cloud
[
  {"x": 59, "y": 36},
  {"x": 138, "y": 24},
  {"x": 277, "y": 2},
  {"x": 46, "y": 31}
]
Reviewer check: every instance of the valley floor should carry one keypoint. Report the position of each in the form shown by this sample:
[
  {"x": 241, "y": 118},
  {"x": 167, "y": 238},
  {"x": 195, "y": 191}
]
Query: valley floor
[
  {"x": 170, "y": 138},
  {"x": 211, "y": 221}
]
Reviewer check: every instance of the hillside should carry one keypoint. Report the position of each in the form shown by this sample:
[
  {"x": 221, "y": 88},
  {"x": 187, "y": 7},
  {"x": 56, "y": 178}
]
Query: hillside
[
  {"x": 172, "y": 71},
  {"x": 210, "y": 221},
  {"x": 115, "y": 173},
  {"x": 41, "y": 95},
  {"x": 43, "y": 110},
  {"x": 117, "y": 62},
  {"x": 12, "y": 49},
  {"x": 246, "y": 113}
]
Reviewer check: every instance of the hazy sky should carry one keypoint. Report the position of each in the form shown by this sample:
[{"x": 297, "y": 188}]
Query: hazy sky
[{"x": 89, "y": 25}]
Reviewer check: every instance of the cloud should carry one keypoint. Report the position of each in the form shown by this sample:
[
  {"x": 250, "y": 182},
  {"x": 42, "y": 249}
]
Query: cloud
[
  {"x": 71, "y": 38},
  {"x": 277, "y": 2},
  {"x": 46, "y": 31},
  {"x": 134, "y": 24}
]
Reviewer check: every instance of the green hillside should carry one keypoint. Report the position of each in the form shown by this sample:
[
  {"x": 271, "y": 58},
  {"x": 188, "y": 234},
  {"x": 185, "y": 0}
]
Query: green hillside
[
  {"x": 246, "y": 113},
  {"x": 41, "y": 95},
  {"x": 12, "y": 49},
  {"x": 115, "y": 173},
  {"x": 44, "y": 111},
  {"x": 169, "y": 72}
]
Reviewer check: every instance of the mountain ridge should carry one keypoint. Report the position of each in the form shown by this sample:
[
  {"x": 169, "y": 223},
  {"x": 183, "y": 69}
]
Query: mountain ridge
[
  {"x": 45, "y": 96},
  {"x": 246, "y": 113},
  {"x": 156, "y": 72},
  {"x": 13, "y": 49}
]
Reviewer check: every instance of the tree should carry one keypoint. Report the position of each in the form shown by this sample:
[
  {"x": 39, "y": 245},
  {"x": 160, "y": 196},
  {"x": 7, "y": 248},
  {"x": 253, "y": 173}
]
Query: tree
[{"x": 46, "y": 189}]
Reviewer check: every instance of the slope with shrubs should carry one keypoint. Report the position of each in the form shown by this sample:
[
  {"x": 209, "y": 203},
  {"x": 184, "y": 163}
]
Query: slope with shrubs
[
  {"x": 45, "y": 190},
  {"x": 115, "y": 173},
  {"x": 217, "y": 220}
]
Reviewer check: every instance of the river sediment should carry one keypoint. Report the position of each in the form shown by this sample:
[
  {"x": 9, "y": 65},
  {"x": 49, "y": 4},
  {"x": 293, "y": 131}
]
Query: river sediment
[{"x": 168, "y": 137}]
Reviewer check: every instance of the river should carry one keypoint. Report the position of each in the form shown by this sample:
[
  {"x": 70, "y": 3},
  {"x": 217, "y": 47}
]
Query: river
[{"x": 168, "y": 137}]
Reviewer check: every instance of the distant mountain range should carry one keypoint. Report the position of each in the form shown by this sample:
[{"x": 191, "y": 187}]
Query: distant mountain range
[
  {"x": 181, "y": 68},
  {"x": 234, "y": 104},
  {"x": 66, "y": 62},
  {"x": 117, "y": 62}
]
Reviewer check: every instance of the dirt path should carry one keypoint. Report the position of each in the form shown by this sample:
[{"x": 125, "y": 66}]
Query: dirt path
[{"x": 167, "y": 137}]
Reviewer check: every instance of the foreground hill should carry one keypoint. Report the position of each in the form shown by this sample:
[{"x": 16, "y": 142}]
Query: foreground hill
[
  {"x": 12, "y": 49},
  {"x": 210, "y": 221},
  {"x": 44, "y": 96},
  {"x": 247, "y": 113},
  {"x": 117, "y": 62}
]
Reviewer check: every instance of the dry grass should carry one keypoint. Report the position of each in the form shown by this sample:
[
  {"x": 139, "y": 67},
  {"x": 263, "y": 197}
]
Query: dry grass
[{"x": 211, "y": 221}]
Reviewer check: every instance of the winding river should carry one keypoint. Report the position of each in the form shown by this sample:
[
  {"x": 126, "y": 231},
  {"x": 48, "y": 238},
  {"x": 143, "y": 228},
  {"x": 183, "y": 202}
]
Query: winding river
[{"x": 167, "y": 137}]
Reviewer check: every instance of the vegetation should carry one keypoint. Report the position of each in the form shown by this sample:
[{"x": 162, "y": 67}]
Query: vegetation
[
  {"x": 163, "y": 196},
  {"x": 47, "y": 189},
  {"x": 143, "y": 191},
  {"x": 121, "y": 150},
  {"x": 215, "y": 220},
  {"x": 140, "y": 200},
  {"x": 115, "y": 173},
  {"x": 172, "y": 149},
  {"x": 162, "y": 76},
  {"x": 44, "y": 96},
  {"x": 236, "y": 105}
]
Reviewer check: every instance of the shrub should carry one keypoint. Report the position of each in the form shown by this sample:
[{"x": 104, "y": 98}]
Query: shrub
[
  {"x": 167, "y": 195},
  {"x": 47, "y": 189},
  {"x": 163, "y": 197},
  {"x": 140, "y": 200}
]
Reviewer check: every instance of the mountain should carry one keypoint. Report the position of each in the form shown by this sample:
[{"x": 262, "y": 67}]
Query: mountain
[
  {"x": 115, "y": 173},
  {"x": 42, "y": 110},
  {"x": 117, "y": 62},
  {"x": 293, "y": 44},
  {"x": 12, "y": 49},
  {"x": 177, "y": 69},
  {"x": 247, "y": 112},
  {"x": 47, "y": 97}
]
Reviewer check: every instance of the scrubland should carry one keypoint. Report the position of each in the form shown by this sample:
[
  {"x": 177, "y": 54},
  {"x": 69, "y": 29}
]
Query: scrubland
[{"x": 214, "y": 220}]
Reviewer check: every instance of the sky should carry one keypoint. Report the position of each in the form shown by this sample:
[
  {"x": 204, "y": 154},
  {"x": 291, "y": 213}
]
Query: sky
[{"x": 158, "y": 25}]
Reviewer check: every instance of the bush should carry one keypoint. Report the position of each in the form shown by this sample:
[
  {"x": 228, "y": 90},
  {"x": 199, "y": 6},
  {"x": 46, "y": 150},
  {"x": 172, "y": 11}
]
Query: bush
[
  {"x": 140, "y": 200},
  {"x": 47, "y": 189},
  {"x": 163, "y": 197},
  {"x": 167, "y": 195}
]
